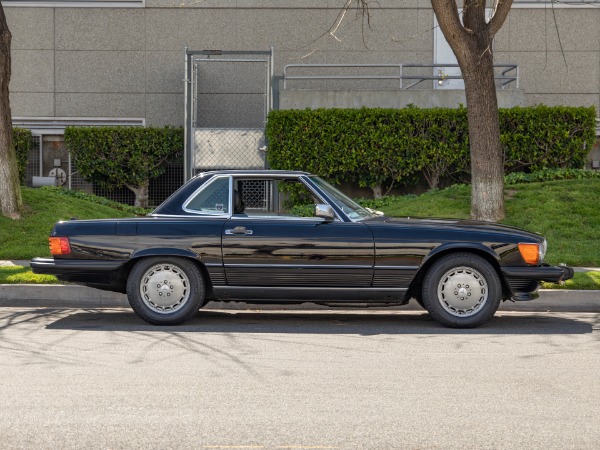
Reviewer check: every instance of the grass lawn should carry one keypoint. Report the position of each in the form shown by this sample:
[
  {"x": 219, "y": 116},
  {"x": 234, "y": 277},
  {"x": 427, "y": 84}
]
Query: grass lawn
[
  {"x": 581, "y": 281},
  {"x": 24, "y": 275},
  {"x": 28, "y": 237}
]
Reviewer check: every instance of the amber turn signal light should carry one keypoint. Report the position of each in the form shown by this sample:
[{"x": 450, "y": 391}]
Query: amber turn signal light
[
  {"x": 530, "y": 253},
  {"x": 59, "y": 245}
]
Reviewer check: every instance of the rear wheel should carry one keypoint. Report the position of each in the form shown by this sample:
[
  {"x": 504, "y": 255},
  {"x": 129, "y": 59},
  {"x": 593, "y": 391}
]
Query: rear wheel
[
  {"x": 462, "y": 290},
  {"x": 165, "y": 290}
]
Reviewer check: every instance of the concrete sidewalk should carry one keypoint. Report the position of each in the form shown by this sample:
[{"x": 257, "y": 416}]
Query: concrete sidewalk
[{"x": 73, "y": 296}]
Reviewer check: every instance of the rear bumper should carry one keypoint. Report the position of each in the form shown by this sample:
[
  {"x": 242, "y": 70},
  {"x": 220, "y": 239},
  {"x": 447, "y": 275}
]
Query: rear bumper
[
  {"x": 53, "y": 266},
  {"x": 99, "y": 274},
  {"x": 524, "y": 282}
]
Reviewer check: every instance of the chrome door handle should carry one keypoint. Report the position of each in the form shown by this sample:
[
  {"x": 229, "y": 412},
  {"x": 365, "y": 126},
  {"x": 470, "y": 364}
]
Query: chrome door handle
[{"x": 239, "y": 230}]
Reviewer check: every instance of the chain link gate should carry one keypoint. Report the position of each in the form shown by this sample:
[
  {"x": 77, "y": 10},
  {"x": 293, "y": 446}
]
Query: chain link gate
[{"x": 227, "y": 100}]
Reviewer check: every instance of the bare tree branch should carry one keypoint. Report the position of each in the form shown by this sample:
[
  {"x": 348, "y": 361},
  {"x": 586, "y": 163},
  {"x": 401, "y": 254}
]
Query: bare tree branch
[
  {"x": 448, "y": 9},
  {"x": 501, "y": 12}
]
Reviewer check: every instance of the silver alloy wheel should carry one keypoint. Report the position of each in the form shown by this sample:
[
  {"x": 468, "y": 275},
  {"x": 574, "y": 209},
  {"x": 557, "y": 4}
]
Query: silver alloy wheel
[
  {"x": 165, "y": 288},
  {"x": 462, "y": 291}
]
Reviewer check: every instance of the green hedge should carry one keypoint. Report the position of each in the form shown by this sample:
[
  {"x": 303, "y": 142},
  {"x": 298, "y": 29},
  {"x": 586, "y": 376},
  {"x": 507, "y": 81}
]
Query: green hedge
[
  {"x": 112, "y": 156},
  {"x": 123, "y": 156},
  {"x": 368, "y": 146},
  {"x": 22, "y": 143},
  {"x": 376, "y": 146},
  {"x": 544, "y": 137}
]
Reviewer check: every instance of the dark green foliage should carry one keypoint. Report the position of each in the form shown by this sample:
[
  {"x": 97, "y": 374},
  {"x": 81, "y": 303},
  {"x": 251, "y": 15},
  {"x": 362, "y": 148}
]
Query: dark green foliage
[
  {"x": 547, "y": 137},
  {"x": 122, "y": 156},
  {"x": 375, "y": 146},
  {"x": 442, "y": 142},
  {"x": 550, "y": 175},
  {"x": 367, "y": 146},
  {"x": 22, "y": 143}
]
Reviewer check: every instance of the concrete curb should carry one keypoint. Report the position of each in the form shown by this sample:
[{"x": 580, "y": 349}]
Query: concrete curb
[{"x": 73, "y": 296}]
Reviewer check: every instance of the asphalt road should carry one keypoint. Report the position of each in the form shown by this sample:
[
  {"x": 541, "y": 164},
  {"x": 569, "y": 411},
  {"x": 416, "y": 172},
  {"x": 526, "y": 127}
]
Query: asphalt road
[{"x": 73, "y": 378}]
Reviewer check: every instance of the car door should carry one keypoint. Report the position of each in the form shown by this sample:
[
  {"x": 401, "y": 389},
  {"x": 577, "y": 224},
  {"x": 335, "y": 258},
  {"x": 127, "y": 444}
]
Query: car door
[
  {"x": 297, "y": 252},
  {"x": 264, "y": 246}
]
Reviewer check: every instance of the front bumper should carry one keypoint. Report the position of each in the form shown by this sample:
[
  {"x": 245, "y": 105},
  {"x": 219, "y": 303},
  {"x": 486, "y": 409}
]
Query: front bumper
[
  {"x": 523, "y": 282},
  {"x": 554, "y": 274}
]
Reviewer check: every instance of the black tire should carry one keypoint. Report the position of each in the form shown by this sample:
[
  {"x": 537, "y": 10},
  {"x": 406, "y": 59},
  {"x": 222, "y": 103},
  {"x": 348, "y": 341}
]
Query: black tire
[
  {"x": 462, "y": 290},
  {"x": 420, "y": 302},
  {"x": 165, "y": 290}
]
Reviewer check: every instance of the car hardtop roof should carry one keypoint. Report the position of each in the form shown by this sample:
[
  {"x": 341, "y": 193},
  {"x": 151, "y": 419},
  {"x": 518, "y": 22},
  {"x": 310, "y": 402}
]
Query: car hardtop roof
[{"x": 256, "y": 172}]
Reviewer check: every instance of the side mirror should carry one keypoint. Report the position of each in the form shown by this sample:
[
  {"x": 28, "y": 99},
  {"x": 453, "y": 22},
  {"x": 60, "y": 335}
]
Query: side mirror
[{"x": 325, "y": 212}]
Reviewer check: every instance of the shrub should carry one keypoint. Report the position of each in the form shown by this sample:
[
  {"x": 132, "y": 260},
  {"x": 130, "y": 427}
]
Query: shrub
[
  {"x": 22, "y": 143},
  {"x": 123, "y": 156},
  {"x": 367, "y": 146},
  {"x": 373, "y": 147},
  {"x": 541, "y": 137}
]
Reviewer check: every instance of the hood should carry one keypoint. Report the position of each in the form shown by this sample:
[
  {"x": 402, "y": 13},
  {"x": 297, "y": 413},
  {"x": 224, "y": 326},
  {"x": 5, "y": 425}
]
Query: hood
[{"x": 458, "y": 225}]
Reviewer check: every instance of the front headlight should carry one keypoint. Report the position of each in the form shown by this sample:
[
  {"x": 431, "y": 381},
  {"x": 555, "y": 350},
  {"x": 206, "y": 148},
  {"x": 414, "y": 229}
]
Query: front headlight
[{"x": 543, "y": 249}]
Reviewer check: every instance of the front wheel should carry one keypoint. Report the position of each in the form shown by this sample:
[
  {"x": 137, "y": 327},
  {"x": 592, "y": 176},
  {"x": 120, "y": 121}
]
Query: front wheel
[
  {"x": 165, "y": 290},
  {"x": 462, "y": 290}
]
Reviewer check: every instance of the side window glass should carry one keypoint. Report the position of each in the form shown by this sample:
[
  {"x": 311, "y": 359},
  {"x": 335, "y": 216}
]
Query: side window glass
[
  {"x": 255, "y": 197},
  {"x": 296, "y": 200},
  {"x": 285, "y": 198},
  {"x": 213, "y": 199}
]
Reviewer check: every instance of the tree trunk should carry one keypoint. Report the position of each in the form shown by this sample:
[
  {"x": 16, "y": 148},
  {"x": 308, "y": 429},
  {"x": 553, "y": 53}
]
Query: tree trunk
[
  {"x": 432, "y": 177},
  {"x": 11, "y": 202},
  {"x": 141, "y": 194},
  {"x": 377, "y": 190},
  {"x": 472, "y": 45},
  {"x": 487, "y": 158}
]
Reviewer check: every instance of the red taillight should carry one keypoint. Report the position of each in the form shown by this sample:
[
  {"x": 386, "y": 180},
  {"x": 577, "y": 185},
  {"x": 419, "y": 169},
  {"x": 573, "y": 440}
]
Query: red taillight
[{"x": 59, "y": 246}]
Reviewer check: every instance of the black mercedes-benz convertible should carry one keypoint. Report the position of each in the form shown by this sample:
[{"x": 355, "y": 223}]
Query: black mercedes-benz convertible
[{"x": 289, "y": 237}]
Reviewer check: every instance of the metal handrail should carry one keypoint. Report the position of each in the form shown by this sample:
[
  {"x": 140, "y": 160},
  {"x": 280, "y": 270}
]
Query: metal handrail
[
  {"x": 504, "y": 77},
  {"x": 341, "y": 77}
]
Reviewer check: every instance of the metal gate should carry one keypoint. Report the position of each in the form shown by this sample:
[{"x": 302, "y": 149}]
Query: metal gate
[{"x": 227, "y": 100}]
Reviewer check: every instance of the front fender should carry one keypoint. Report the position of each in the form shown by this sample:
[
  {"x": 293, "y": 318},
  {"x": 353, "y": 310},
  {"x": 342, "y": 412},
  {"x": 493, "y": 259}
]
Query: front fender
[
  {"x": 444, "y": 249},
  {"x": 460, "y": 247}
]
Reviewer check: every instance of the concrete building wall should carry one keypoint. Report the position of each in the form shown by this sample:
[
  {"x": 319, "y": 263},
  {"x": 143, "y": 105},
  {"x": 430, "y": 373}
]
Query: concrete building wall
[
  {"x": 301, "y": 99},
  {"x": 129, "y": 62}
]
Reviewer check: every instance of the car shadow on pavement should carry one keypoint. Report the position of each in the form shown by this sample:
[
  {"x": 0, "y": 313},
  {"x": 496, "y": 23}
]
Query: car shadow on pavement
[{"x": 356, "y": 323}]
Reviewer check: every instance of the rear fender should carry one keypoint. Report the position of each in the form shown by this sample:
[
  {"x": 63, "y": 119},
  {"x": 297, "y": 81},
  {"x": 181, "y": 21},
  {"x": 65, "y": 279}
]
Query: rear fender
[
  {"x": 176, "y": 252},
  {"x": 146, "y": 252}
]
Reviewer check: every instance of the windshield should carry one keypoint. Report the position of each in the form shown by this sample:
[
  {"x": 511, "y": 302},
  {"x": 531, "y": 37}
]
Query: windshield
[{"x": 352, "y": 209}]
